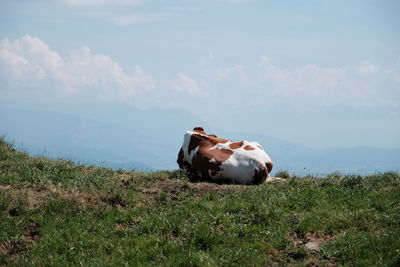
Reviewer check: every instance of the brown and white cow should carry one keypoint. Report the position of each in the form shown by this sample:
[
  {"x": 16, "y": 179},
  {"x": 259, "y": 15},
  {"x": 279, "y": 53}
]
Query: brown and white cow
[{"x": 215, "y": 159}]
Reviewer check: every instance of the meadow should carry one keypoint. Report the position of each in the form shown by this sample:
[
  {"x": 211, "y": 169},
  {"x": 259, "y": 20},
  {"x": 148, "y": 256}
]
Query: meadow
[{"x": 59, "y": 213}]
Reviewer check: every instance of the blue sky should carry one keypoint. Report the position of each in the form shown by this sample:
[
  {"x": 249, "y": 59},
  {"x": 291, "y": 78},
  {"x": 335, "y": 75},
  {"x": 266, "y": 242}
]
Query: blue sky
[{"x": 321, "y": 73}]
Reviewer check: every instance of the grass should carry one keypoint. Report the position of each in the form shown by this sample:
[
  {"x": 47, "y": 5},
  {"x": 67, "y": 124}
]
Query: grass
[{"x": 58, "y": 213}]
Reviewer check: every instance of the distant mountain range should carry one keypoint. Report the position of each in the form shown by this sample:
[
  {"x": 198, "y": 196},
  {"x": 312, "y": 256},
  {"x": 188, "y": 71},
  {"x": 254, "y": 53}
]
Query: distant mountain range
[{"x": 120, "y": 136}]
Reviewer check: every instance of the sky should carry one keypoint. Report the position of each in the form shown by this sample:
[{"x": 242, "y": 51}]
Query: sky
[{"x": 319, "y": 73}]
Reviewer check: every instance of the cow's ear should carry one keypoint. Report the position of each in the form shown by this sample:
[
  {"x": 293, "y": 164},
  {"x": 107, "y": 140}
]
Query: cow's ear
[{"x": 199, "y": 130}]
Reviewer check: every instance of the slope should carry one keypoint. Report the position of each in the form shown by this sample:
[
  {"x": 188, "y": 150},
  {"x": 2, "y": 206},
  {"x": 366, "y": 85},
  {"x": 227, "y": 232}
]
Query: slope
[{"x": 59, "y": 213}]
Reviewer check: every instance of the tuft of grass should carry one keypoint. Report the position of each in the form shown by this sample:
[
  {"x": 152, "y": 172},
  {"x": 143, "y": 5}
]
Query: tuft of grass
[
  {"x": 282, "y": 174},
  {"x": 55, "y": 212}
]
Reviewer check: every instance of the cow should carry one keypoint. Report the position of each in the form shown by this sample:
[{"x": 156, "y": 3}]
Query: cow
[{"x": 215, "y": 159}]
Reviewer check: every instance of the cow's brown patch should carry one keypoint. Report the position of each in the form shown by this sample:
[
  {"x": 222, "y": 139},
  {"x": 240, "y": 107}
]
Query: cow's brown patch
[
  {"x": 236, "y": 145},
  {"x": 248, "y": 147},
  {"x": 201, "y": 161},
  {"x": 199, "y": 130},
  {"x": 195, "y": 141},
  {"x": 200, "y": 140},
  {"x": 217, "y": 140},
  {"x": 260, "y": 175},
  {"x": 213, "y": 135}
]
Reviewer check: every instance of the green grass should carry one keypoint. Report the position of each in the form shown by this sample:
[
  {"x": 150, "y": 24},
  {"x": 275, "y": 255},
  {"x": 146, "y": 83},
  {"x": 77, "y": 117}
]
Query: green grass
[{"x": 57, "y": 213}]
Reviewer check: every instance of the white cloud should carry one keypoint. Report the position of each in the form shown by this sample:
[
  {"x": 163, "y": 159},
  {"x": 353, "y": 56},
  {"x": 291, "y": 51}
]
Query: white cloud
[
  {"x": 312, "y": 85},
  {"x": 233, "y": 73},
  {"x": 34, "y": 49},
  {"x": 86, "y": 71},
  {"x": 27, "y": 61},
  {"x": 186, "y": 84},
  {"x": 99, "y": 2},
  {"x": 366, "y": 67},
  {"x": 124, "y": 20},
  {"x": 30, "y": 69},
  {"x": 29, "y": 64}
]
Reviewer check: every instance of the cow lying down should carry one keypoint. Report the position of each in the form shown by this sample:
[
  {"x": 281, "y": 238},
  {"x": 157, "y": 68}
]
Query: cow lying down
[{"x": 215, "y": 159}]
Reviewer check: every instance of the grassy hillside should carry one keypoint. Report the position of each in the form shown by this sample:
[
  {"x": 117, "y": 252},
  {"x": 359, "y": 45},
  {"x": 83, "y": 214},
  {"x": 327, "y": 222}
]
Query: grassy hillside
[{"x": 57, "y": 213}]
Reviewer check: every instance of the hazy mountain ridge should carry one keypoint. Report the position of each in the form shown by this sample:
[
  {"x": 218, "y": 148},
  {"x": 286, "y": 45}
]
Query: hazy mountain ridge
[{"x": 121, "y": 136}]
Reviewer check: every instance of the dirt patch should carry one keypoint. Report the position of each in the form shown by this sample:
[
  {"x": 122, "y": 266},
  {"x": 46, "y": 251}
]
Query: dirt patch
[
  {"x": 84, "y": 198},
  {"x": 116, "y": 201},
  {"x": 316, "y": 237},
  {"x": 128, "y": 225},
  {"x": 12, "y": 248},
  {"x": 32, "y": 232},
  {"x": 4, "y": 187},
  {"x": 313, "y": 262},
  {"x": 174, "y": 189},
  {"x": 89, "y": 170},
  {"x": 202, "y": 188},
  {"x": 35, "y": 196},
  {"x": 310, "y": 240}
]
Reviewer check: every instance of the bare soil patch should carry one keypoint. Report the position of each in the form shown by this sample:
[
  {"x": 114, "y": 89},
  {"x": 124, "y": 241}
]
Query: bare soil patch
[
  {"x": 310, "y": 240},
  {"x": 174, "y": 189},
  {"x": 13, "y": 248},
  {"x": 32, "y": 232},
  {"x": 35, "y": 196}
]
